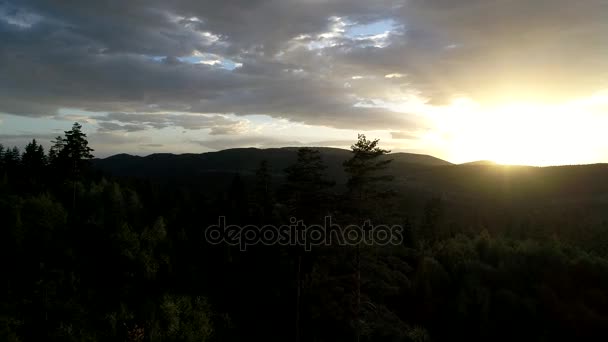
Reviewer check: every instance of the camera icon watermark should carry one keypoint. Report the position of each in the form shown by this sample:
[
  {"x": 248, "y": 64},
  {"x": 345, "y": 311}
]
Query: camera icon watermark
[{"x": 299, "y": 234}]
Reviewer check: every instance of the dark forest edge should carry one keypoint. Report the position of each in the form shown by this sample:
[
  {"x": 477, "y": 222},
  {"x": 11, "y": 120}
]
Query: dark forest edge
[{"x": 90, "y": 254}]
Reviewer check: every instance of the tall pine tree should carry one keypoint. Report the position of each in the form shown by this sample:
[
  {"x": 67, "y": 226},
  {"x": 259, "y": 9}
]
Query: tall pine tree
[
  {"x": 70, "y": 156},
  {"x": 364, "y": 169}
]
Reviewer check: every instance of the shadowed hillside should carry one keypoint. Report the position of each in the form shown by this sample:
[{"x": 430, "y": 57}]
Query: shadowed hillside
[
  {"x": 481, "y": 180},
  {"x": 480, "y": 195},
  {"x": 240, "y": 160}
]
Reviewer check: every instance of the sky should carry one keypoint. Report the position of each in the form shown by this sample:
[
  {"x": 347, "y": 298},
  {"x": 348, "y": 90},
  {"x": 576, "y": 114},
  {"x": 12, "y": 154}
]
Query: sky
[{"x": 514, "y": 81}]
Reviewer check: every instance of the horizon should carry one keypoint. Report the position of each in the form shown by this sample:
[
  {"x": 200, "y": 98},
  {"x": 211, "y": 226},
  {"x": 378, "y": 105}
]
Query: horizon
[
  {"x": 505, "y": 81},
  {"x": 472, "y": 162}
]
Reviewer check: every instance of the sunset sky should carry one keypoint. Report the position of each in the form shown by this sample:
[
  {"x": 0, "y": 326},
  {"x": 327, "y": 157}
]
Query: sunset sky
[{"x": 513, "y": 81}]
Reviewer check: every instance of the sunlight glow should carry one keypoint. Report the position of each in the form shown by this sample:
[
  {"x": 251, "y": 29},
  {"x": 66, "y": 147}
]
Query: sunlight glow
[{"x": 525, "y": 133}]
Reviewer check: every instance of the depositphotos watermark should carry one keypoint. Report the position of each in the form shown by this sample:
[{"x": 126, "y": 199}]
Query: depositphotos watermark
[{"x": 299, "y": 234}]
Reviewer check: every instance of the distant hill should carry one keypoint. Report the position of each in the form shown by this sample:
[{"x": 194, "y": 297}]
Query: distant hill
[
  {"x": 473, "y": 187},
  {"x": 239, "y": 160},
  {"x": 481, "y": 162}
]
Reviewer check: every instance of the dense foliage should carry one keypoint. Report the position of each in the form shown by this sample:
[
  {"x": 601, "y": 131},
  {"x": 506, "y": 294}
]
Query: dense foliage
[{"x": 90, "y": 257}]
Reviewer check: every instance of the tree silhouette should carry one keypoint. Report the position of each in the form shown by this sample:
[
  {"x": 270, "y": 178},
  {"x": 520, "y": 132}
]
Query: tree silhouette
[
  {"x": 56, "y": 150},
  {"x": 70, "y": 155},
  {"x": 11, "y": 159},
  {"x": 34, "y": 162},
  {"x": 76, "y": 148},
  {"x": 364, "y": 166},
  {"x": 363, "y": 169},
  {"x": 33, "y": 157}
]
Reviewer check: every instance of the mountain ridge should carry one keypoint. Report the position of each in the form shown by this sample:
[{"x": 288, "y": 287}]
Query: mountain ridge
[{"x": 286, "y": 148}]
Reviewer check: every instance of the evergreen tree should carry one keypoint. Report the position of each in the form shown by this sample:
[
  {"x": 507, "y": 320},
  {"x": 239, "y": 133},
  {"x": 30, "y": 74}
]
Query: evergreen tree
[
  {"x": 11, "y": 165},
  {"x": 56, "y": 150},
  {"x": 72, "y": 152},
  {"x": 70, "y": 156},
  {"x": 76, "y": 150},
  {"x": 34, "y": 163},
  {"x": 33, "y": 156},
  {"x": 11, "y": 158},
  {"x": 364, "y": 170}
]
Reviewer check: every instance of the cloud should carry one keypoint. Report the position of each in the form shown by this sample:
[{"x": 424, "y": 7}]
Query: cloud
[
  {"x": 403, "y": 135},
  {"x": 132, "y": 57},
  {"x": 104, "y": 139},
  {"x": 110, "y": 126},
  {"x": 505, "y": 50},
  {"x": 133, "y": 122},
  {"x": 292, "y": 59}
]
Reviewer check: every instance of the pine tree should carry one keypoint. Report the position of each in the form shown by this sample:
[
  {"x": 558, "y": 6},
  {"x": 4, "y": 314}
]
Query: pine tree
[
  {"x": 34, "y": 163},
  {"x": 72, "y": 152},
  {"x": 33, "y": 157},
  {"x": 11, "y": 160},
  {"x": 70, "y": 155},
  {"x": 77, "y": 149},
  {"x": 56, "y": 150},
  {"x": 363, "y": 169}
]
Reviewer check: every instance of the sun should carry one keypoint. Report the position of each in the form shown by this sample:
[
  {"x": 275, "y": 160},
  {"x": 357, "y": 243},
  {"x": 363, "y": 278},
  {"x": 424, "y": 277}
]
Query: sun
[{"x": 525, "y": 133}]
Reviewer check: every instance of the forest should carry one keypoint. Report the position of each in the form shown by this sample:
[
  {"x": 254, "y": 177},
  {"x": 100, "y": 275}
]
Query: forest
[{"x": 111, "y": 250}]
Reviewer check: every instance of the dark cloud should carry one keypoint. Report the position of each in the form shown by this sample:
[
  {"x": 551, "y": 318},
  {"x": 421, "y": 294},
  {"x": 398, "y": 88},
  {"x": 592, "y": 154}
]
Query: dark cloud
[
  {"x": 297, "y": 60},
  {"x": 503, "y": 50},
  {"x": 492, "y": 51},
  {"x": 133, "y": 122}
]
